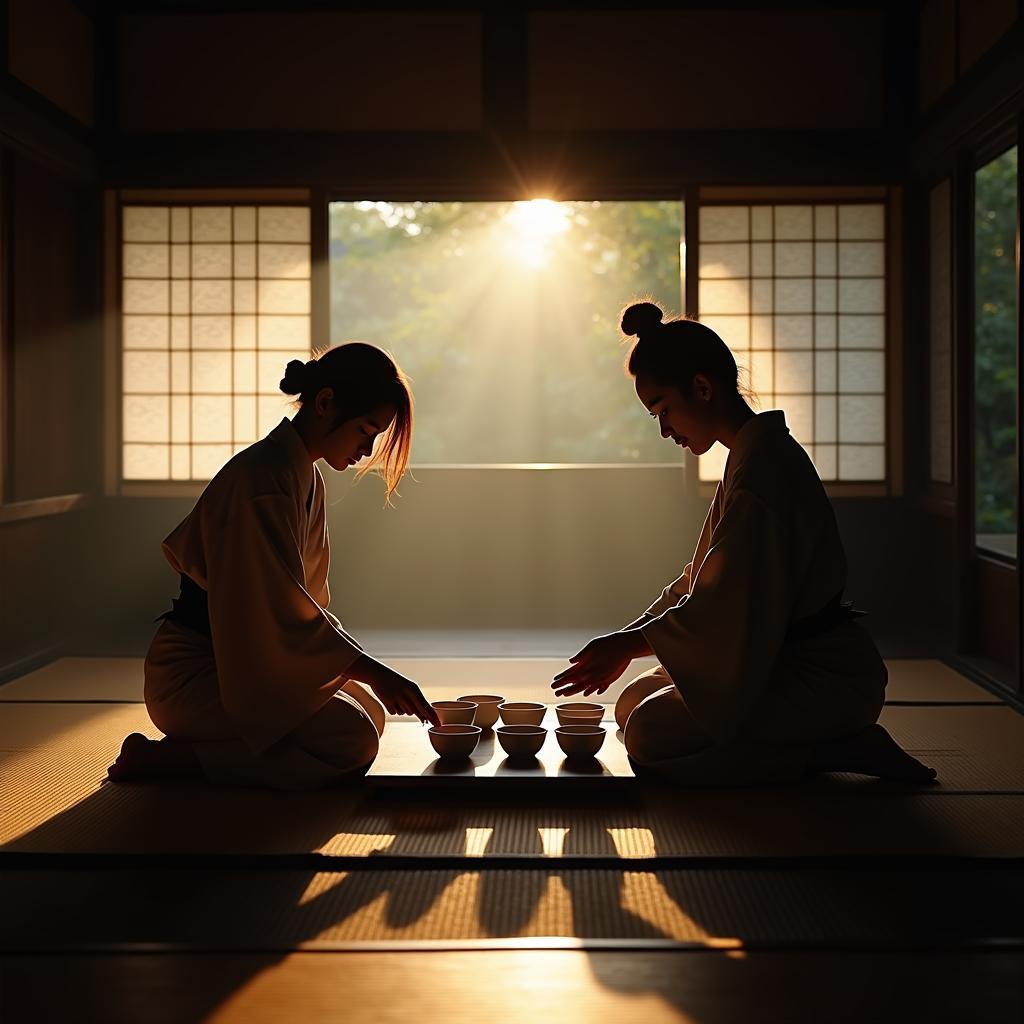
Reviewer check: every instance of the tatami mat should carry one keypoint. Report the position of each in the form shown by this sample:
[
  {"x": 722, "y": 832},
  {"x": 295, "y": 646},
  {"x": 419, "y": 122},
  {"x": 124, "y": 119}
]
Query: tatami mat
[
  {"x": 79, "y": 679},
  {"x": 120, "y": 679},
  {"x": 713, "y": 909},
  {"x": 207, "y": 822},
  {"x": 54, "y": 757},
  {"x": 925, "y": 680}
]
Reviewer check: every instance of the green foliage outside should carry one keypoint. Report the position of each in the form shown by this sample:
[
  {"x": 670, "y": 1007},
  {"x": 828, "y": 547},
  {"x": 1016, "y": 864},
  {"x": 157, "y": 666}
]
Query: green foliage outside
[
  {"x": 995, "y": 331},
  {"x": 506, "y": 318}
]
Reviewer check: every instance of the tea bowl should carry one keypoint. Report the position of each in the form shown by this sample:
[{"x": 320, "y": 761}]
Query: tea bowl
[
  {"x": 455, "y": 712},
  {"x": 578, "y": 741},
  {"x": 454, "y": 741},
  {"x": 522, "y": 712},
  {"x": 487, "y": 708},
  {"x": 521, "y": 740},
  {"x": 579, "y": 712}
]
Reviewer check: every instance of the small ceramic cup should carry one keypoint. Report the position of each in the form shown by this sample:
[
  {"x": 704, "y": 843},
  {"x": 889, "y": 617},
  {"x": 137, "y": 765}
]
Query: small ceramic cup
[
  {"x": 579, "y": 741},
  {"x": 455, "y": 712},
  {"x": 487, "y": 708},
  {"x": 520, "y": 741},
  {"x": 522, "y": 712},
  {"x": 579, "y": 712},
  {"x": 454, "y": 742}
]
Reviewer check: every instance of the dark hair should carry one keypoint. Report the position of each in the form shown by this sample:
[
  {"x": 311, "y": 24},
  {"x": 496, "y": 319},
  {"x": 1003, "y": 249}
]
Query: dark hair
[
  {"x": 675, "y": 351},
  {"x": 362, "y": 377}
]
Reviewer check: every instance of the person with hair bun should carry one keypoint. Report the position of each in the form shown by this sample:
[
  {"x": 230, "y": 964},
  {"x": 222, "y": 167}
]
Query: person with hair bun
[
  {"x": 764, "y": 672},
  {"x": 251, "y": 679}
]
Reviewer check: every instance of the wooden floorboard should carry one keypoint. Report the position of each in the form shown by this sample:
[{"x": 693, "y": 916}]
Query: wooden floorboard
[{"x": 536, "y": 987}]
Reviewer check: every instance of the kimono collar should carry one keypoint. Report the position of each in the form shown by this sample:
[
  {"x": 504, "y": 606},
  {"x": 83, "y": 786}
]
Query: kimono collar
[
  {"x": 762, "y": 425},
  {"x": 288, "y": 438}
]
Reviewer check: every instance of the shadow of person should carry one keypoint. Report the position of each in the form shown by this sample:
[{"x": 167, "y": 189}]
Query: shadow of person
[
  {"x": 187, "y": 863},
  {"x": 597, "y": 894},
  {"x": 508, "y": 899},
  {"x": 572, "y": 871},
  {"x": 719, "y": 912}
]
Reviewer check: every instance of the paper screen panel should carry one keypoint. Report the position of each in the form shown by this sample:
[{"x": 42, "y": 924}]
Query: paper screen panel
[
  {"x": 152, "y": 332},
  {"x": 724, "y": 224},
  {"x": 146, "y": 461},
  {"x": 798, "y": 289},
  {"x": 146, "y": 418},
  {"x": 145, "y": 224},
  {"x": 146, "y": 260},
  {"x": 215, "y": 301}
]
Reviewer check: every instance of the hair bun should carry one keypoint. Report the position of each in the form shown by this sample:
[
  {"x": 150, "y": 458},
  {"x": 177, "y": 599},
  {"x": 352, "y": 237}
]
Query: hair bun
[
  {"x": 640, "y": 318},
  {"x": 296, "y": 377}
]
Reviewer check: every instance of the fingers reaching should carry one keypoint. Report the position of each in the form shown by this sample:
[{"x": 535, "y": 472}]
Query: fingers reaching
[
  {"x": 566, "y": 679},
  {"x": 578, "y": 663},
  {"x": 423, "y": 710},
  {"x": 570, "y": 674},
  {"x": 401, "y": 696},
  {"x": 585, "y": 683},
  {"x": 417, "y": 706}
]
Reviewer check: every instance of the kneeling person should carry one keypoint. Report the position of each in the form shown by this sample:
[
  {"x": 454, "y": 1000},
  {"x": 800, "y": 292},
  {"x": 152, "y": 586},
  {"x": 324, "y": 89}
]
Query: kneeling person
[{"x": 250, "y": 677}]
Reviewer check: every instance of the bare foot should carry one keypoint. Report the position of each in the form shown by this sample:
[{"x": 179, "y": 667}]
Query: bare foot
[
  {"x": 142, "y": 758},
  {"x": 871, "y": 752}
]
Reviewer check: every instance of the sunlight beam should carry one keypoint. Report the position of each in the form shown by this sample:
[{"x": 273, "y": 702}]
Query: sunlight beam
[{"x": 533, "y": 225}]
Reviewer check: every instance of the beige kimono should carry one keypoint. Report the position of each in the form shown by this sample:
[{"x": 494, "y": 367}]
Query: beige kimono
[
  {"x": 258, "y": 696},
  {"x": 768, "y": 556}
]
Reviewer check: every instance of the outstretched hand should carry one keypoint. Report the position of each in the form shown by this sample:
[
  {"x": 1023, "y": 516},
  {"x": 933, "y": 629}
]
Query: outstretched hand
[
  {"x": 399, "y": 695},
  {"x": 595, "y": 667}
]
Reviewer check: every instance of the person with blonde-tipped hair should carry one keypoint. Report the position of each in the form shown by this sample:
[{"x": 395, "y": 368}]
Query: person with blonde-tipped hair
[
  {"x": 764, "y": 672},
  {"x": 250, "y": 677}
]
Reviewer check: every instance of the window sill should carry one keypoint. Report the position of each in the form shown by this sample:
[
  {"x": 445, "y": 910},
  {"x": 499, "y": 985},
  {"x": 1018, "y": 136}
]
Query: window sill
[
  {"x": 37, "y": 508},
  {"x": 193, "y": 488},
  {"x": 160, "y": 489},
  {"x": 837, "y": 489},
  {"x": 1002, "y": 559}
]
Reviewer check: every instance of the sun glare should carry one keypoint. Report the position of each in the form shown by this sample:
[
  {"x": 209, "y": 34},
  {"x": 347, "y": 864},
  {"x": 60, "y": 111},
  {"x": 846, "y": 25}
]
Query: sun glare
[{"x": 534, "y": 224}]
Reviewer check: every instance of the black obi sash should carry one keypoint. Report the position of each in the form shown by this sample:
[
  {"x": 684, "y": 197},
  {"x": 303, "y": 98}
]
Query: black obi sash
[
  {"x": 190, "y": 608},
  {"x": 835, "y": 613}
]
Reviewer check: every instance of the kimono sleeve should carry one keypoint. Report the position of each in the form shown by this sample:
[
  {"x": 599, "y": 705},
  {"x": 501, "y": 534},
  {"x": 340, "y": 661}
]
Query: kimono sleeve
[
  {"x": 720, "y": 646},
  {"x": 673, "y": 593},
  {"x": 341, "y": 629},
  {"x": 278, "y": 654}
]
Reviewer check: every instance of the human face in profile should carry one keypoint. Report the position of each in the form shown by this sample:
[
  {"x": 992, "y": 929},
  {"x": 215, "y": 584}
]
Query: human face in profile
[
  {"x": 352, "y": 441},
  {"x": 684, "y": 419}
]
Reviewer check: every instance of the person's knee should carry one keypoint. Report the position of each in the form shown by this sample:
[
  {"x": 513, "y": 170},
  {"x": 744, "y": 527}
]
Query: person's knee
[
  {"x": 348, "y": 759},
  {"x": 635, "y": 692},
  {"x": 341, "y": 736},
  {"x": 661, "y": 727},
  {"x": 365, "y": 743},
  {"x": 634, "y": 740},
  {"x": 639, "y": 744},
  {"x": 640, "y": 730},
  {"x": 368, "y": 702},
  {"x": 624, "y": 704}
]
